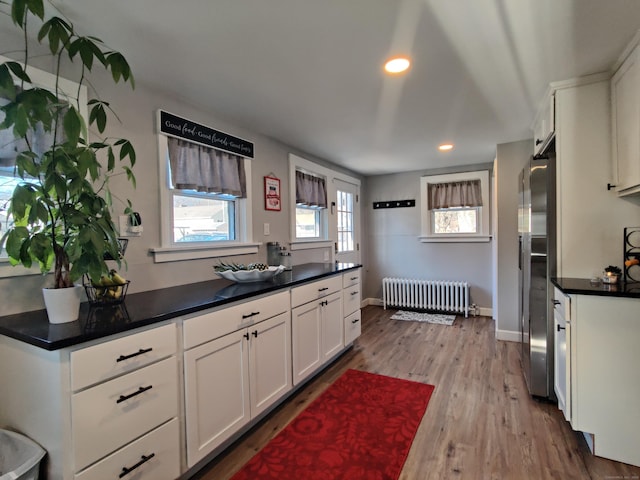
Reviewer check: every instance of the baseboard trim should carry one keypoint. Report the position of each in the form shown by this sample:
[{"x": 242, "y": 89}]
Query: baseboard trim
[{"x": 508, "y": 336}]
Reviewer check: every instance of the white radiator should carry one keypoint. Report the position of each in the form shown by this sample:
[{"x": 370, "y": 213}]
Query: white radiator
[{"x": 426, "y": 294}]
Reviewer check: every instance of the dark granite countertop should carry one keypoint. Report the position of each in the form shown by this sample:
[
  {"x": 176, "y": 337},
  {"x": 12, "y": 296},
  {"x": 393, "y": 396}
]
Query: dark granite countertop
[
  {"x": 583, "y": 286},
  {"x": 146, "y": 308}
]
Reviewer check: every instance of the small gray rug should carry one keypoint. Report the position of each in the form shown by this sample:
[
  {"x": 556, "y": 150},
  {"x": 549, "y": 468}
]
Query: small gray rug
[{"x": 424, "y": 317}]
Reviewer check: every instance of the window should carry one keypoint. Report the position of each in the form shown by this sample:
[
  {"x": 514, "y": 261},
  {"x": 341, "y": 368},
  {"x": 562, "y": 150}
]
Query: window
[
  {"x": 455, "y": 207},
  {"x": 206, "y": 194},
  {"x": 9, "y": 147},
  {"x": 311, "y": 200},
  {"x": 346, "y": 242}
]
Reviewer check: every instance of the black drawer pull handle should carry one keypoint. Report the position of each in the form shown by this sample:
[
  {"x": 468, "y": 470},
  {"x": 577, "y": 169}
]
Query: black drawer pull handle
[
  {"x": 560, "y": 328},
  {"x": 246, "y": 335},
  {"x": 142, "y": 351},
  {"x": 354, "y": 278},
  {"x": 255, "y": 333},
  {"x": 252, "y": 314},
  {"x": 355, "y": 321},
  {"x": 323, "y": 289},
  {"x": 143, "y": 459},
  {"x": 556, "y": 302},
  {"x": 131, "y": 395},
  {"x": 325, "y": 302},
  {"x": 354, "y": 293}
]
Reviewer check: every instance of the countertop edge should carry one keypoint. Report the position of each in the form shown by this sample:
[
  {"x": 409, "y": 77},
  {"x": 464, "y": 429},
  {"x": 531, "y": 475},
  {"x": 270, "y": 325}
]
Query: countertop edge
[{"x": 18, "y": 326}]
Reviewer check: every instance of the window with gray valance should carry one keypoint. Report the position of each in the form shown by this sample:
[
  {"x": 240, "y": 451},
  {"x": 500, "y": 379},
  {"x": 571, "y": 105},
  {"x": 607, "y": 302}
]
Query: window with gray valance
[
  {"x": 205, "y": 169},
  {"x": 310, "y": 190},
  {"x": 465, "y": 193}
]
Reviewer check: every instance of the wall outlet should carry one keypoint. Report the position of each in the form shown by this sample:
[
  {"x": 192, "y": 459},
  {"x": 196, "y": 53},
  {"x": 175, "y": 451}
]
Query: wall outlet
[{"x": 267, "y": 229}]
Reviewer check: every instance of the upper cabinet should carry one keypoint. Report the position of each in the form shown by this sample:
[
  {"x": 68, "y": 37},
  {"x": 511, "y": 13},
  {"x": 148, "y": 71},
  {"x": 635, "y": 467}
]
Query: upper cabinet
[
  {"x": 625, "y": 121},
  {"x": 545, "y": 124}
]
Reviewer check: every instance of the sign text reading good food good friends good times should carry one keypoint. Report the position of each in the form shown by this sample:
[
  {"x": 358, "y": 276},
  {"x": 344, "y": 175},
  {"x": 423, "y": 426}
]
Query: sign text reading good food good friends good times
[{"x": 188, "y": 130}]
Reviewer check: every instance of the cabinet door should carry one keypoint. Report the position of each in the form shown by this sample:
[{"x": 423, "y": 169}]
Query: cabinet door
[
  {"x": 332, "y": 325},
  {"x": 270, "y": 361},
  {"x": 560, "y": 370},
  {"x": 305, "y": 331},
  {"x": 216, "y": 377},
  {"x": 625, "y": 97}
]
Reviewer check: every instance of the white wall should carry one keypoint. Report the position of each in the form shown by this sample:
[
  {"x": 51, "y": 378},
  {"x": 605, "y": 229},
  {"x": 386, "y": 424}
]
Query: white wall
[
  {"x": 393, "y": 248},
  {"x": 510, "y": 159},
  {"x": 137, "y": 111}
]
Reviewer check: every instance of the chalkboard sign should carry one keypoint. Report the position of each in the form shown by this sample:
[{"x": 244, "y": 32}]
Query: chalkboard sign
[{"x": 186, "y": 129}]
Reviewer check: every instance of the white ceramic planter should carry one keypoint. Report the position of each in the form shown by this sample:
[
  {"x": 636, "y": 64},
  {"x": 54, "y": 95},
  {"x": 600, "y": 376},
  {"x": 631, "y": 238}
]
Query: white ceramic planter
[{"x": 63, "y": 304}]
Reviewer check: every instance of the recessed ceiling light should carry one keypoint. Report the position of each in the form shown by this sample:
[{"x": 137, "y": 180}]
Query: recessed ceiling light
[
  {"x": 397, "y": 65},
  {"x": 445, "y": 147}
]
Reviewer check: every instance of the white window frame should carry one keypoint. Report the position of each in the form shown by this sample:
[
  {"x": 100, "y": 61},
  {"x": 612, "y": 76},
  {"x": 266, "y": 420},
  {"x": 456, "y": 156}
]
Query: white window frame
[
  {"x": 301, "y": 243},
  {"x": 328, "y": 230},
  {"x": 171, "y": 251},
  {"x": 43, "y": 79},
  {"x": 483, "y": 233}
]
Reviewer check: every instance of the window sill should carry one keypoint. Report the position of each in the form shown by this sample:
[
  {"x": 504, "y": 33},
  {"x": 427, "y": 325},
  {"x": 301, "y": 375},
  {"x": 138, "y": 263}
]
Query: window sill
[
  {"x": 7, "y": 270},
  {"x": 309, "y": 244},
  {"x": 195, "y": 252},
  {"x": 455, "y": 239}
]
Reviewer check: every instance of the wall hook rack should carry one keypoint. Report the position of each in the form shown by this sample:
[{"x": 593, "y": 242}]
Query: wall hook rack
[{"x": 394, "y": 204}]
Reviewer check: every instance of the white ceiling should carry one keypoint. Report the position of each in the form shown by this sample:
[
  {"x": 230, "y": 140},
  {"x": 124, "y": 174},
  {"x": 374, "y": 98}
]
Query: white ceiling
[{"x": 309, "y": 72}]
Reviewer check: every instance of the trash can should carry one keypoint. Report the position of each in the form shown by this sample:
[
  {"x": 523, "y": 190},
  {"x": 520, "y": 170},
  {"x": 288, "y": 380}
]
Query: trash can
[{"x": 19, "y": 457}]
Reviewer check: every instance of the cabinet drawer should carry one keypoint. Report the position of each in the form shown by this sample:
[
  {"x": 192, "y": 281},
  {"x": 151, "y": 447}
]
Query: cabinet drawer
[
  {"x": 209, "y": 326},
  {"x": 156, "y": 456},
  {"x": 110, "y": 415},
  {"x": 312, "y": 291},
  {"x": 351, "y": 278},
  {"x": 351, "y": 299},
  {"x": 352, "y": 327},
  {"x": 112, "y": 358}
]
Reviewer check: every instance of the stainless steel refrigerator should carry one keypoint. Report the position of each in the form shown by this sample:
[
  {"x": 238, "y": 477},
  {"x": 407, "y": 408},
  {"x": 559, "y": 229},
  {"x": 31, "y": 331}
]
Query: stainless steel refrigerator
[{"x": 537, "y": 264}]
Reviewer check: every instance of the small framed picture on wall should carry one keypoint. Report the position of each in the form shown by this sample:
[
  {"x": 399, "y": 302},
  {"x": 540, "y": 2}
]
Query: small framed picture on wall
[{"x": 272, "y": 194}]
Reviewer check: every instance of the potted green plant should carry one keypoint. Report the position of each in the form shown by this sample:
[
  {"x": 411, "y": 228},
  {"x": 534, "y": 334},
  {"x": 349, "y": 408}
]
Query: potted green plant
[{"x": 61, "y": 208}]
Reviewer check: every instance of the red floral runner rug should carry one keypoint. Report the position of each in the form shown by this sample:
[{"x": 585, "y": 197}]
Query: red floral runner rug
[{"x": 360, "y": 428}]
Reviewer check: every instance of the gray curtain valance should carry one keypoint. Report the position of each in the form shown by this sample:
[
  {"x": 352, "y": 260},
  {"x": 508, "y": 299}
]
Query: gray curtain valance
[
  {"x": 310, "y": 190},
  {"x": 466, "y": 193},
  {"x": 196, "y": 167}
]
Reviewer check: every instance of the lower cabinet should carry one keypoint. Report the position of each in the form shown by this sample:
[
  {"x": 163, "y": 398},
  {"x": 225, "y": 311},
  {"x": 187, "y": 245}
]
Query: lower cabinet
[
  {"x": 318, "y": 334},
  {"x": 562, "y": 349},
  {"x": 602, "y": 383},
  {"x": 231, "y": 379}
]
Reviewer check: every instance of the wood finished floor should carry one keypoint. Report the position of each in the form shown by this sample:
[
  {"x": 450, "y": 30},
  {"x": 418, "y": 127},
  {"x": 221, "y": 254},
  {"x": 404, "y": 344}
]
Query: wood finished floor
[{"x": 481, "y": 422}]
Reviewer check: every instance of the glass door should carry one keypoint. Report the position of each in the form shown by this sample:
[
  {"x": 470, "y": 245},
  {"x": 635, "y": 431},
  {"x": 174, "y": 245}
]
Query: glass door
[{"x": 347, "y": 212}]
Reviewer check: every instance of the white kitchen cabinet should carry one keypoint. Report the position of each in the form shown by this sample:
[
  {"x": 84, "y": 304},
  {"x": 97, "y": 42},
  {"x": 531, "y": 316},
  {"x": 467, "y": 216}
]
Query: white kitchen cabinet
[
  {"x": 625, "y": 116},
  {"x": 603, "y": 382},
  {"x": 99, "y": 406},
  {"x": 151, "y": 457},
  {"x": 317, "y": 325},
  {"x": 332, "y": 322},
  {"x": 351, "y": 305},
  {"x": 352, "y": 327},
  {"x": 234, "y": 377},
  {"x": 583, "y": 153},
  {"x": 562, "y": 357}
]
